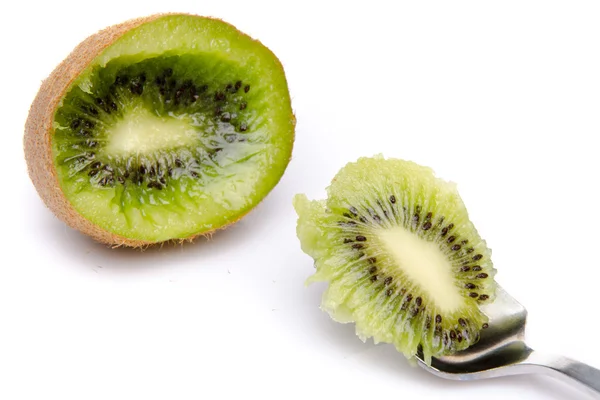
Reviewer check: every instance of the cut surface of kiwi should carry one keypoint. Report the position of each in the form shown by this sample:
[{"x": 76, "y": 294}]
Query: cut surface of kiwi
[
  {"x": 400, "y": 255},
  {"x": 160, "y": 128}
]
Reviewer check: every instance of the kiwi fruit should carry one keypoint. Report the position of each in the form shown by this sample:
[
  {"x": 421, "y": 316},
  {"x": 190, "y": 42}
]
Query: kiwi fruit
[
  {"x": 400, "y": 255},
  {"x": 160, "y": 128}
]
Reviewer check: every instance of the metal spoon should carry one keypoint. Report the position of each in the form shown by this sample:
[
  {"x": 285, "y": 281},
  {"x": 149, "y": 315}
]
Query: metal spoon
[{"x": 502, "y": 351}]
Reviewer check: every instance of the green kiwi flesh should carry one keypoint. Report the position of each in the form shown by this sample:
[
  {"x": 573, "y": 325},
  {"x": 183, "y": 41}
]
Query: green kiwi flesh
[
  {"x": 179, "y": 127},
  {"x": 400, "y": 255}
]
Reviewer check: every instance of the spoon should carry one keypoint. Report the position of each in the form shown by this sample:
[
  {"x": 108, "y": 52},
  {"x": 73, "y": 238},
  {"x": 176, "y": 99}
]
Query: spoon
[{"x": 502, "y": 351}]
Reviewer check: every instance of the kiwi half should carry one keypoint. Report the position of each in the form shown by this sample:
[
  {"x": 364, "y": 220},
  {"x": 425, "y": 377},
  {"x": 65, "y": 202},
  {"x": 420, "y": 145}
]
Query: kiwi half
[
  {"x": 400, "y": 255},
  {"x": 160, "y": 128}
]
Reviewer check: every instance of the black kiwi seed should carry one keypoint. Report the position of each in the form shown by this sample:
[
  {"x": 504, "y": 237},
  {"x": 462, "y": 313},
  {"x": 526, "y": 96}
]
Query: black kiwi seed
[
  {"x": 219, "y": 96},
  {"x": 363, "y": 220},
  {"x": 459, "y": 337},
  {"x": 179, "y": 93},
  {"x": 415, "y": 218},
  {"x": 238, "y": 85},
  {"x": 243, "y": 105},
  {"x": 246, "y": 88},
  {"x": 360, "y": 238},
  {"x": 243, "y": 127},
  {"x": 388, "y": 280},
  {"x": 353, "y": 210},
  {"x": 426, "y": 226},
  {"x": 96, "y": 165},
  {"x": 438, "y": 319},
  {"x": 451, "y": 239},
  {"x": 477, "y": 268},
  {"x": 154, "y": 185},
  {"x": 452, "y": 335},
  {"x": 226, "y": 117},
  {"x": 482, "y": 276},
  {"x": 373, "y": 278},
  {"x": 75, "y": 123},
  {"x": 93, "y": 172},
  {"x": 193, "y": 94},
  {"x": 372, "y": 270},
  {"x": 178, "y": 163},
  {"x": 465, "y": 269},
  {"x": 456, "y": 247},
  {"x": 393, "y": 199},
  {"x": 106, "y": 181},
  {"x": 470, "y": 250},
  {"x": 484, "y": 297},
  {"x": 372, "y": 260},
  {"x": 485, "y": 326},
  {"x": 419, "y": 301},
  {"x": 477, "y": 257},
  {"x": 347, "y": 215},
  {"x": 346, "y": 240},
  {"x": 142, "y": 170},
  {"x": 389, "y": 292},
  {"x": 121, "y": 80},
  {"x": 462, "y": 322},
  {"x": 357, "y": 246},
  {"x": 229, "y": 87},
  {"x": 470, "y": 286},
  {"x": 136, "y": 87},
  {"x": 444, "y": 231},
  {"x": 473, "y": 295},
  {"x": 409, "y": 298}
]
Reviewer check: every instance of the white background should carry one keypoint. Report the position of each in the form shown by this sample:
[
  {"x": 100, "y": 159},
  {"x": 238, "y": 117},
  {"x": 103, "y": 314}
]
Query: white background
[{"x": 501, "y": 97}]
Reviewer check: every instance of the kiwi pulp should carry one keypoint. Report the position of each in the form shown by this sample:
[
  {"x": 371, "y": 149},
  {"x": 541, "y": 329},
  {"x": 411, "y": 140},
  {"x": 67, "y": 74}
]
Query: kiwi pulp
[
  {"x": 161, "y": 128},
  {"x": 401, "y": 258}
]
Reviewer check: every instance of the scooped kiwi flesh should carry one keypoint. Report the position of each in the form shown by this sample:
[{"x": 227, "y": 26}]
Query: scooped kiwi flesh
[
  {"x": 180, "y": 127},
  {"x": 401, "y": 258}
]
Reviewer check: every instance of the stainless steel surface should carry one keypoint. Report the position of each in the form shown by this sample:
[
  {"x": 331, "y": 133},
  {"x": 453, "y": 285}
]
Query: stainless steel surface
[{"x": 502, "y": 351}]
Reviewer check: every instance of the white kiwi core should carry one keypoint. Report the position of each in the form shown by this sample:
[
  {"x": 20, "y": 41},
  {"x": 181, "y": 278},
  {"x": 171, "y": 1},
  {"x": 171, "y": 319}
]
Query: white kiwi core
[
  {"x": 141, "y": 132},
  {"x": 424, "y": 264}
]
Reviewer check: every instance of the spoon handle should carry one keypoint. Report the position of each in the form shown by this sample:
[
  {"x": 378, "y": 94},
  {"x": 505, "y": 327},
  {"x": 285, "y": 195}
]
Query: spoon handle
[{"x": 570, "y": 371}]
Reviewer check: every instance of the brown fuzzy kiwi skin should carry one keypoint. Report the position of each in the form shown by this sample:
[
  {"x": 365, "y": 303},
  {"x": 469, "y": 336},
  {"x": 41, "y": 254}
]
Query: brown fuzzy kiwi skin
[{"x": 38, "y": 134}]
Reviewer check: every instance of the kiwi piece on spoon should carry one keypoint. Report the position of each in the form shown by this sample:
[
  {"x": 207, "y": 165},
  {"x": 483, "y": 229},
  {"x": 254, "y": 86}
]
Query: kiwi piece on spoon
[
  {"x": 160, "y": 128},
  {"x": 400, "y": 255}
]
